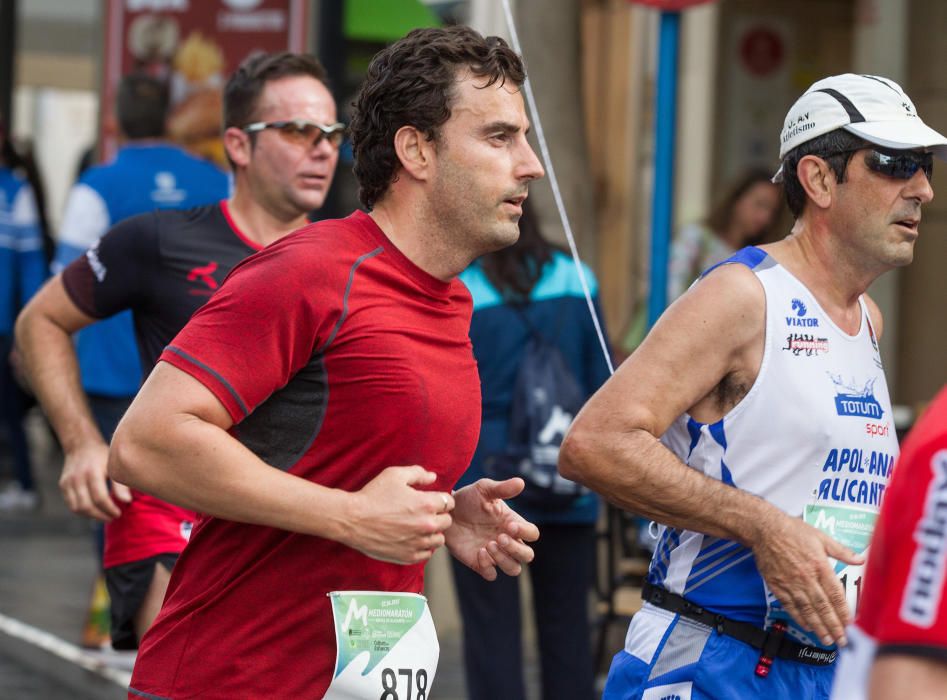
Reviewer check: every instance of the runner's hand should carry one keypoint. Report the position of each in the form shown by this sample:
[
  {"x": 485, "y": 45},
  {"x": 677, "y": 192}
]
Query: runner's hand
[
  {"x": 793, "y": 559},
  {"x": 395, "y": 522},
  {"x": 487, "y": 533},
  {"x": 85, "y": 486}
]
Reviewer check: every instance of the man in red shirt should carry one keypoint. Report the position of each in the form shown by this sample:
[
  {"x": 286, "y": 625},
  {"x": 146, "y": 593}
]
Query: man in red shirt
[
  {"x": 323, "y": 403},
  {"x": 898, "y": 645}
]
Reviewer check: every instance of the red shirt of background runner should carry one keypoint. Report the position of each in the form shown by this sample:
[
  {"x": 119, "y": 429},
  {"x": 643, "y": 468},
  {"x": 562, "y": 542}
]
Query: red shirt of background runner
[{"x": 899, "y": 571}]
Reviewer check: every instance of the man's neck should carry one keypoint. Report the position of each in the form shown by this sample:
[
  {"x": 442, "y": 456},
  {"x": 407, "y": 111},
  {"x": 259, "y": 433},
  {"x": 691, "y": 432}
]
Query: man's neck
[
  {"x": 836, "y": 281},
  {"x": 259, "y": 224},
  {"x": 416, "y": 233}
]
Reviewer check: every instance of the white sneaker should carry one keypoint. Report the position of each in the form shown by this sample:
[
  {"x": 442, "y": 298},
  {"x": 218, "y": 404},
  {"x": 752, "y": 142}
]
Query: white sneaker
[{"x": 15, "y": 497}]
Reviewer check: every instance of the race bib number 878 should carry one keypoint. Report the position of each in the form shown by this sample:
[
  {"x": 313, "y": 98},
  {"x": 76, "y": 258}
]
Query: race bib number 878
[{"x": 386, "y": 646}]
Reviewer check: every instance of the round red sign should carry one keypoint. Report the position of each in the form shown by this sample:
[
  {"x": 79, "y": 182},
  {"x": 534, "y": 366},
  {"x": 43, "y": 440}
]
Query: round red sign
[{"x": 761, "y": 51}]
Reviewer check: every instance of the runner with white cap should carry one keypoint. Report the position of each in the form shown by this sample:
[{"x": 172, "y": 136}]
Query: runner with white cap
[{"x": 754, "y": 421}]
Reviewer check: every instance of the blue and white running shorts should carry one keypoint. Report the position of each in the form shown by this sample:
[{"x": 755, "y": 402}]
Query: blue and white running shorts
[{"x": 669, "y": 657}]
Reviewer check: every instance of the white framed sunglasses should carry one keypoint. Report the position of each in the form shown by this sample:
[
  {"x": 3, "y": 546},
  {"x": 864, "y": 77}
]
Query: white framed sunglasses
[{"x": 301, "y": 131}]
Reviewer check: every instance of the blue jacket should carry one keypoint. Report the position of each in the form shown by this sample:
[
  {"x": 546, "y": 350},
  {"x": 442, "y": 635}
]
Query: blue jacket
[
  {"x": 499, "y": 336},
  {"x": 22, "y": 260},
  {"x": 143, "y": 177}
]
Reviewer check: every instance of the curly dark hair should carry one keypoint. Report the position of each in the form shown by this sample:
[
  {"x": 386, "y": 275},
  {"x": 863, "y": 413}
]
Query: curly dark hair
[
  {"x": 412, "y": 82},
  {"x": 836, "y": 148}
]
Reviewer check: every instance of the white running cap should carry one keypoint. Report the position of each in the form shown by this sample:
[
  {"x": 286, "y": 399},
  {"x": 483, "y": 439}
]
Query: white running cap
[{"x": 874, "y": 108}]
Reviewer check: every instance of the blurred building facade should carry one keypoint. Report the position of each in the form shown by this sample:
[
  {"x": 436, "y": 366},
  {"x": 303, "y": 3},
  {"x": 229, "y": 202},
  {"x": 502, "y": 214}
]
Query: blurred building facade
[
  {"x": 742, "y": 63},
  {"x": 592, "y": 65}
]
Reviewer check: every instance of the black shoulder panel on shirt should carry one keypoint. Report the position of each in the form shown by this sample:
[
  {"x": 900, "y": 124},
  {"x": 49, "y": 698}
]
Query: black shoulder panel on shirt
[{"x": 281, "y": 429}]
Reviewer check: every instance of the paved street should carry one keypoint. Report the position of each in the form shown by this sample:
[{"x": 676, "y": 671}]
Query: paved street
[
  {"x": 19, "y": 681},
  {"x": 46, "y": 575}
]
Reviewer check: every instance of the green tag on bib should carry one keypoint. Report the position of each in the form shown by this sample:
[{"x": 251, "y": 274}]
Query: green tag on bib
[
  {"x": 373, "y": 622},
  {"x": 851, "y": 527}
]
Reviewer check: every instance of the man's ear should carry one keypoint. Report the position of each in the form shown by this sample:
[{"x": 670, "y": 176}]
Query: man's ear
[
  {"x": 415, "y": 152},
  {"x": 817, "y": 179},
  {"x": 238, "y": 145}
]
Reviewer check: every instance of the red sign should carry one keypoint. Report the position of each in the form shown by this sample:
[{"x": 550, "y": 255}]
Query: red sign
[
  {"x": 194, "y": 45},
  {"x": 761, "y": 51},
  {"x": 669, "y": 5}
]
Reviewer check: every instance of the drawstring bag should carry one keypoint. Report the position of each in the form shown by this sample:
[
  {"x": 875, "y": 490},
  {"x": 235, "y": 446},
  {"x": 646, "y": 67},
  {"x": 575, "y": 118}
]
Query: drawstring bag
[{"x": 546, "y": 398}]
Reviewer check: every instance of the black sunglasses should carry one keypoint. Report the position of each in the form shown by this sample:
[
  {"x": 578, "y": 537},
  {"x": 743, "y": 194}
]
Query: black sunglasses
[
  {"x": 900, "y": 165},
  {"x": 301, "y": 131}
]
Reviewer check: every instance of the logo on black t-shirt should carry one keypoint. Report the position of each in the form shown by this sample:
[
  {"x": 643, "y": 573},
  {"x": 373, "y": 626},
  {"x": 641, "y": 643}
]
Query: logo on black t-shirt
[{"x": 203, "y": 274}]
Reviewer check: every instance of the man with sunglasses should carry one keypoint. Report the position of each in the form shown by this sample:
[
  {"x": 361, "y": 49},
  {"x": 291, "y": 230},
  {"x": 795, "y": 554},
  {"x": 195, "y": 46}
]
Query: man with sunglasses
[
  {"x": 282, "y": 140},
  {"x": 754, "y": 421}
]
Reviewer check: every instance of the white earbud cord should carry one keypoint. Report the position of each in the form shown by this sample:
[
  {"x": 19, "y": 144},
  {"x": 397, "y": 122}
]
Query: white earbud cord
[{"x": 557, "y": 193}]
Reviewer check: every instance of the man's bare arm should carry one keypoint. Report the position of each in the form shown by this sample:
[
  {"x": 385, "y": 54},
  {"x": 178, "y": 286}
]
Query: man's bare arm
[
  {"x": 173, "y": 443},
  {"x": 44, "y": 332},
  {"x": 702, "y": 357}
]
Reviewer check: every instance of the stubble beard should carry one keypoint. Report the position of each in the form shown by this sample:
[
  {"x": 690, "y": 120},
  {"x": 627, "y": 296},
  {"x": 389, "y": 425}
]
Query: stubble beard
[
  {"x": 893, "y": 254},
  {"x": 468, "y": 223}
]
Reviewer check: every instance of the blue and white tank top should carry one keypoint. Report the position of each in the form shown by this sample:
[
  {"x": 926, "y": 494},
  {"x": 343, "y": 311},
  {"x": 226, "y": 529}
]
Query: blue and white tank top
[{"x": 814, "y": 436}]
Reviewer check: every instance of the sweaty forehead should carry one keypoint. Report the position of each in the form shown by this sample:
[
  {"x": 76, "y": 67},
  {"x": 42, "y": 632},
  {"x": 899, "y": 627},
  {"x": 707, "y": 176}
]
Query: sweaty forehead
[{"x": 501, "y": 101}]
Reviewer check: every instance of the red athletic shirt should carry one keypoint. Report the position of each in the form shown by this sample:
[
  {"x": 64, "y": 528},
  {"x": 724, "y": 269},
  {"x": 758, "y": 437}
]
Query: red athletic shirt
[
  {"x": 905, "y": 600},
  {"x": 336, "y": 357}
]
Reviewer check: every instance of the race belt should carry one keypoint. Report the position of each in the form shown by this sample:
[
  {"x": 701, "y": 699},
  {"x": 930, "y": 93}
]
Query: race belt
[{"x": 772, "y": 642}]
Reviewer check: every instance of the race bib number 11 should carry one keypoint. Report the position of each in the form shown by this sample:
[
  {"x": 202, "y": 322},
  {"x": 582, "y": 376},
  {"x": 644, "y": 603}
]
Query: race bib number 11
[
  {"x": 851, "y": 527},
  {"x": 386, "y": 646}
]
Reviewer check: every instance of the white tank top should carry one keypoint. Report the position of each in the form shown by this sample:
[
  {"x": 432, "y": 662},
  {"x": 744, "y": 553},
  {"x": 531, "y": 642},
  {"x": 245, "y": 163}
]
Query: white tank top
[{"x": 814, "y": 436}]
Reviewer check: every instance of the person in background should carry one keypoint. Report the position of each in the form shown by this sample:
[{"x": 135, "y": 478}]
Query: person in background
[
  {"x": 23, "y": 267},
  {"x": 147, "y": 173},
  {"x": 282, "y": 141},
  {"x": 530, "y": 287},
  {"x": 745, "y": 215}
]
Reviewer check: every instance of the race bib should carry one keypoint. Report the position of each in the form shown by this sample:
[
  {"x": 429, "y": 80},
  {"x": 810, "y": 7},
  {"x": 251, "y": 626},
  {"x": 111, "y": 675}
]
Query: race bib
[
  {"x": 851, "y": 527},
  {"x": 848, "y": 526},
  {"x": 386, "y": 646}
]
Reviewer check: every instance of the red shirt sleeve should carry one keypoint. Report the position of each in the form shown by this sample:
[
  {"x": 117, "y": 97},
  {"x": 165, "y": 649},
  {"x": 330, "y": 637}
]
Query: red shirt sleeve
[{"x": 270, "y": 315}]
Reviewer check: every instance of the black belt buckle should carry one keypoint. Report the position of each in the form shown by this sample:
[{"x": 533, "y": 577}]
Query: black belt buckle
[
  {"x": 774, "y": 638},
  {"x": 655, "y": 596}
]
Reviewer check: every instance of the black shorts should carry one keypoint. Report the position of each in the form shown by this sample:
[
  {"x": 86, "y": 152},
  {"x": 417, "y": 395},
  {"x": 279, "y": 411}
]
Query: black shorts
[{"x": 127, "y": 585}]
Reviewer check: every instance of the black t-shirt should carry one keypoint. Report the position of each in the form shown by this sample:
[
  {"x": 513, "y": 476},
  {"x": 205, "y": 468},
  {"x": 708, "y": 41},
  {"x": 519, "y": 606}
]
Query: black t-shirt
[{"x": 162, "y": 265}]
